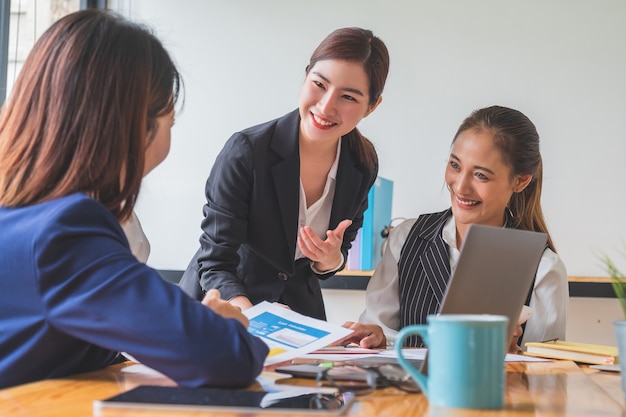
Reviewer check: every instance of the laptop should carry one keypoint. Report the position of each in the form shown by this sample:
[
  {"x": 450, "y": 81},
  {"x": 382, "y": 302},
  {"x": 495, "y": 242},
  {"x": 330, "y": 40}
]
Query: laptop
[{"x": 494, "y": 274}]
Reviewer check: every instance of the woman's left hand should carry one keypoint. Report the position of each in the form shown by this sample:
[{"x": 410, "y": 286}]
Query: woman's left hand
[
  {"x": 365, "y": 335},
  {"x": 325, "y": 253},
  {"x": 513, "y": 346}
]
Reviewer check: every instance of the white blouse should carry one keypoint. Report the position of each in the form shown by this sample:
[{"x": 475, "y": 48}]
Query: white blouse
[
  {"x": 317, "y": 215},
  {"x": 139, "y": 244}
]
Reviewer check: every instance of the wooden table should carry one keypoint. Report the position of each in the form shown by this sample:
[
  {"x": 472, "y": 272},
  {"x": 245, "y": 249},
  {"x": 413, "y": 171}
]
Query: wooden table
[{"x": 558, "y": 388}]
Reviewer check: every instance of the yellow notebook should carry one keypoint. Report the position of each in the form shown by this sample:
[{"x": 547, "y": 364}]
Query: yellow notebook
[{"x": 574, "y": 351}]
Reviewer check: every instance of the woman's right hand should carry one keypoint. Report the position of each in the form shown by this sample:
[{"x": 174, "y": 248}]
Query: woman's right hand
[{"x": 224, "y": 308}]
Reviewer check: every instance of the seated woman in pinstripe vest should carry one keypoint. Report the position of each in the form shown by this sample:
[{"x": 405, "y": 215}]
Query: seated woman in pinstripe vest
[{"x": 494, "y": 176}]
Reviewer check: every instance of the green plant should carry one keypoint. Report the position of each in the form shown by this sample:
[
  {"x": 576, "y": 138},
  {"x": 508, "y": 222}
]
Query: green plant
[{"x": 618, "y": 281}]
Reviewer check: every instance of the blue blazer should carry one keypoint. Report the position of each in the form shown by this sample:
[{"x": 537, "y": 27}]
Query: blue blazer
[
  {"x": 250, "y": 221},
  {"x": 73, "y": 296}
]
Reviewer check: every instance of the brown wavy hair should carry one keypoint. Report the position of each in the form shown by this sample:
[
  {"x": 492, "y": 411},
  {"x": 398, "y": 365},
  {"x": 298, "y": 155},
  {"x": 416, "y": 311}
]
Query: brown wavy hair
[
  {"x": 517, "y": 140},
  {"x": 83, "y": 110},
  {"x": 358, "y": 45}
]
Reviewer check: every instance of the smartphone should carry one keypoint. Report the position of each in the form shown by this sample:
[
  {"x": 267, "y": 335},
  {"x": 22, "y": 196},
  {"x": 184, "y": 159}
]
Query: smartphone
[{"x": 148, "y": 397}]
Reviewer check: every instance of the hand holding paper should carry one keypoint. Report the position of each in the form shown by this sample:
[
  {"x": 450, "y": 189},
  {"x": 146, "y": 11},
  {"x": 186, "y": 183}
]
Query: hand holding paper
[{"x": 223, "y": 308}]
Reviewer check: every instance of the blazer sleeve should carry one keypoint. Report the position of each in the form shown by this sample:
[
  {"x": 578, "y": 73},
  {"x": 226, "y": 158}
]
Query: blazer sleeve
[
  {"x": 226, "y": 215},
  {"x": 95, "y": 290}
]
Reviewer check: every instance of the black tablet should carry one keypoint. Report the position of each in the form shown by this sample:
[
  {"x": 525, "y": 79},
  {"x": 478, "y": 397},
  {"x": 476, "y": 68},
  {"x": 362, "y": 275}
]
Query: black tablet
[{"x": 147, "y": 397}]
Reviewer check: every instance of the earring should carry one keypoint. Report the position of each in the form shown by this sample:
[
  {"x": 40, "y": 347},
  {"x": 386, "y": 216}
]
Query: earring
[{"x": 510, "y": 212}]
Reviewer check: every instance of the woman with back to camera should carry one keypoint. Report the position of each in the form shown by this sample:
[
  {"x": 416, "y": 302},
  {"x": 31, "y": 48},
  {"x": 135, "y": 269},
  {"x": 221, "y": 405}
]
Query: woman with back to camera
[
  {"x": 90, "y": 114},
  {"x": 494, "y": 175},
  {"x": 286, "y": 198}
]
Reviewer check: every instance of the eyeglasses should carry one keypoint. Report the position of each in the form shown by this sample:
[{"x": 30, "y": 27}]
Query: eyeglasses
[
  {"x": 362, "y": 380},
  {"x": 335, "y": 401}
]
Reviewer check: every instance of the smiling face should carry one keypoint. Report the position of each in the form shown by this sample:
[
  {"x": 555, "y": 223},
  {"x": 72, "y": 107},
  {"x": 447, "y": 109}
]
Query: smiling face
[
  {"x": 333, "y": 100},
  {"x": 480, "y": 182}
]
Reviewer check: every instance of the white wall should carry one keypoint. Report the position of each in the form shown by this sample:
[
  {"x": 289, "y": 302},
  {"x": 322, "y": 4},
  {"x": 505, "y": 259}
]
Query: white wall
[{"x": 561, "y": 62}]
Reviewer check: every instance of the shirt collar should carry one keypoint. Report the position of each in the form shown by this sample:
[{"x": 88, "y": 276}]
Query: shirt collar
[{"x": 449, "y": 232}]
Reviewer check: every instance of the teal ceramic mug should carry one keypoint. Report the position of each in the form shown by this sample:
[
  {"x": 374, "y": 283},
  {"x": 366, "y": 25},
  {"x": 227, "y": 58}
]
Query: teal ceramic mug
[{"x": 465, "y": 359}]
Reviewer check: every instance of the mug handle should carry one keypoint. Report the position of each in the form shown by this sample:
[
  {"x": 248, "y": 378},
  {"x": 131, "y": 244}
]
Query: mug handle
[{"x": 416, "y": 374}]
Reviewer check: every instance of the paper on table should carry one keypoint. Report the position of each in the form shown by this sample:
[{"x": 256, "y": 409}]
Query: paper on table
[
  {"x": 350, "y": 350},
  {"x": 289, "y": 334},
  {"x": 608, "y": 368},
  {"x": 421, "y": 354},
  {"x": 408, "y": 353},
  {"x": 511, "y": 357}
]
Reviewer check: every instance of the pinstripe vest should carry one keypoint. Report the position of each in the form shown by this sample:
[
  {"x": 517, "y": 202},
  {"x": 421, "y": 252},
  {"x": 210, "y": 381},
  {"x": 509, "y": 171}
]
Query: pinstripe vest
[{"x": 423, "y": 271}]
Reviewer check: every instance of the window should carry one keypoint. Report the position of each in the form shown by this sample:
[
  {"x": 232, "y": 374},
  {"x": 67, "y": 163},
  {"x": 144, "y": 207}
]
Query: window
[{"x": 27, "y": 20}]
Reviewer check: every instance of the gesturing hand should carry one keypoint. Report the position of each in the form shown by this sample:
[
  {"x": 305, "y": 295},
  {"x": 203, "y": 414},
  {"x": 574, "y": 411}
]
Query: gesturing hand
[
  {"x": 325, "y": 253},
  {"x": 224, "y": 308}
]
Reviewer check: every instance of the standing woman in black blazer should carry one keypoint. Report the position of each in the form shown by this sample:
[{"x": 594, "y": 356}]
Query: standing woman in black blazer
[{"x": 285, "y": 199}]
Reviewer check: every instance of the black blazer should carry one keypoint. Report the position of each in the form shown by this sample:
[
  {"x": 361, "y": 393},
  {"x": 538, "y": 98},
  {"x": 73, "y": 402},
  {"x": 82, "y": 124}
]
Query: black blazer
[{"x": 250, "y": 221}]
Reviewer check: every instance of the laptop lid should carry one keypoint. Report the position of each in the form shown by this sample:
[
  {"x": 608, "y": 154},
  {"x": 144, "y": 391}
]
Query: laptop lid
[{"x": 494, "y": 273}]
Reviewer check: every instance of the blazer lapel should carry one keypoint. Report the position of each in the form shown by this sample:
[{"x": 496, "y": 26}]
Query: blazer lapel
[{"x": 435, "y": 259}]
